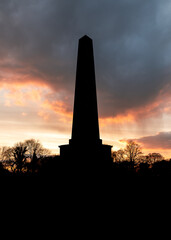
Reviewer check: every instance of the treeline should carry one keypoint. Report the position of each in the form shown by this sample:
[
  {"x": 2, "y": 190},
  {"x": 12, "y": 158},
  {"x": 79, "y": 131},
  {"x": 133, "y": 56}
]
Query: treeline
[
  {"x": 133, "y": 154},
  {"x": 30, "y": 158},
  {"x": 132, "y": 162},
  {"x": 23, "y": 158}
]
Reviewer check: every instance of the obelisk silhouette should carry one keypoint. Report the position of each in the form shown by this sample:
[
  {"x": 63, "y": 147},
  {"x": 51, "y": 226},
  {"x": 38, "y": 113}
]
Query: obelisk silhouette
[
  {"x": 85, "y": 119},
  {"x": 85, "y": 146}
]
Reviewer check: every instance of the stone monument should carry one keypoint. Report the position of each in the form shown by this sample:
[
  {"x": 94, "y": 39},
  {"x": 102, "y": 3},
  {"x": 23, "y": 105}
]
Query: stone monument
[{"x": 85, "y": 147}]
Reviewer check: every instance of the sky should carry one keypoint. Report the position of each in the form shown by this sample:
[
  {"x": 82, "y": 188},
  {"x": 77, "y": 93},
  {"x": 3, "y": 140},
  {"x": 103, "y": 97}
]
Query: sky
[{"x": 132, "y": 50}]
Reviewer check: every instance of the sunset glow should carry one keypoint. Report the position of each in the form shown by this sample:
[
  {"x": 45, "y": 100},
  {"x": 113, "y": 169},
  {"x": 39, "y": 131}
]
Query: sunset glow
[{"x": 38, "y": 47}]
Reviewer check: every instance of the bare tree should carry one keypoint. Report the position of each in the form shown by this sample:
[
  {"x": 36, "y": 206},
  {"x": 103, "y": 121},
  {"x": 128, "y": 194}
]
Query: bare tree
[
  {"x": 119, "y": 155},
  {"x": 154, "y": 157},
  {"x": 132, "y": 151},
  {"x": 7, "y": 157},
  {"x": 35, "y": 151},
  {"x": 24, "y": 156},
  {"x": 34, "y": 147}
]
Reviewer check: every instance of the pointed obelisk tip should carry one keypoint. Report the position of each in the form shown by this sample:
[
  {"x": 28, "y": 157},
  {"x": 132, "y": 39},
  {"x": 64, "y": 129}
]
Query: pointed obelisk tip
[{"x": 85, "y": 38}]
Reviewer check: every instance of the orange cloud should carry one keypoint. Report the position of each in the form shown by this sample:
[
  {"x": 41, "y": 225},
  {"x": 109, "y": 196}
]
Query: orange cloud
[
  {"x": 13, "y": 97},
  {"x": 58, "y": 107},
  {"x": 119, "y": 119},
  {"x": 22, "y": 94},
  {"x": 17, "y": 74},
  {"x": 27, "y": 93},
  {"x": 159, "y": 106}
]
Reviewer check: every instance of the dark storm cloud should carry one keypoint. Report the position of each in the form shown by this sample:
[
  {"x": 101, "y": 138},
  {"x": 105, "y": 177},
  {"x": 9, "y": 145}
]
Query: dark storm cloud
[
  {"x": 161, "y": 140},
  {"x": 131, "y": 43}
]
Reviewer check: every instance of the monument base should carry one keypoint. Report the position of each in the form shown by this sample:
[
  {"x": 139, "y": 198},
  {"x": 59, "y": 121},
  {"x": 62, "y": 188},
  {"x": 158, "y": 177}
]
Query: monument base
[{"x": 81, "y": 155}]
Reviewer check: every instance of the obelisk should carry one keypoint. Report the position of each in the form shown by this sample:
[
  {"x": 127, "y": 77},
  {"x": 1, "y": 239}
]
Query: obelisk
[
  {"x": 85, "y": 118},
  {"x": 85, "y": 145}
]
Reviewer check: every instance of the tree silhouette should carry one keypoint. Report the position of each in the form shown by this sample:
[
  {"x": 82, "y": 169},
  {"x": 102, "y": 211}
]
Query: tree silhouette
[
  {"x": 119, "y": 156},
  {"x": 24, "y": 156},
  {"x": 19, "y": 153},
  {"x": 34, "y": 147},
  {"x": 30, "y": 158},
  {"x": 35, "y": 152},
  {"x": 132, "y": 151},
  {"x": 153, "y": 157}
]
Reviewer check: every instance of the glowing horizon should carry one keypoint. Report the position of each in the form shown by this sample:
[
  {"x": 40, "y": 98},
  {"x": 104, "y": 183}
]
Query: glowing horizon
[{"x": 26, "y": 102}]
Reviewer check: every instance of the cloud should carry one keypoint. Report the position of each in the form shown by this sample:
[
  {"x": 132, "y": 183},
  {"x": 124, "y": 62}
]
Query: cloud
[
  {"x": 152, "y": 110},
  {"x": 47, "y": 101},
  {"x": 58, "y": 107},
  {"x": 131, "y": 42},
  {"x": 161, "y": 140},
  {"x": 24, "y": 108},
  {"x": 22, "y": 94}
]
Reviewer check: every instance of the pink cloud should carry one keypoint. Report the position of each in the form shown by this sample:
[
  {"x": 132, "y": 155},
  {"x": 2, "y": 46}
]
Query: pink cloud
[{"x": 161, "y": 140}]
